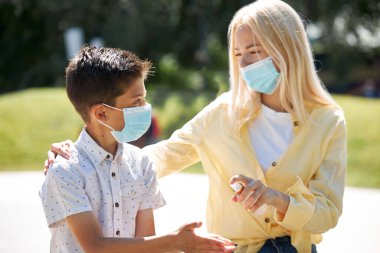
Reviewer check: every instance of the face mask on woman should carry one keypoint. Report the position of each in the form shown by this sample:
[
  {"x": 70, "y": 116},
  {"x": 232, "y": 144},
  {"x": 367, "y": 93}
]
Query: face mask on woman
[
  {"x": 136, "y": 122},
  {"x": 261, "y": 76}
]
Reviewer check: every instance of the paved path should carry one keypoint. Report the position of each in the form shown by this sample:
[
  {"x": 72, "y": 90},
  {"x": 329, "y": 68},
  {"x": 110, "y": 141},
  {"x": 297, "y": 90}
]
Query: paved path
[{"x": 23, "y": 226}]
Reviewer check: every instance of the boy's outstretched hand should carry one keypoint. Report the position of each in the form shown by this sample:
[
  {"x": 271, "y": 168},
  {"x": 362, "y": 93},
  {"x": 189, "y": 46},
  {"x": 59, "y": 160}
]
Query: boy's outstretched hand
[
  {"x": 59, "y": 148},
  {"x": 191, "y": 242}
]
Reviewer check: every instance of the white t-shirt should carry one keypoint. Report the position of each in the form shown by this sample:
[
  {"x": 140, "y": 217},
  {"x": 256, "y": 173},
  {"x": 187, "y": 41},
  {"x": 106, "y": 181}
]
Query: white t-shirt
[
  {"x": 271, "y": 134},
  {"x": 114, "y": 188}
]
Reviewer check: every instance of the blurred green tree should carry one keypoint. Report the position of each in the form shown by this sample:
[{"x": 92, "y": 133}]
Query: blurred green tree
[{"x": 190, "y": 33}]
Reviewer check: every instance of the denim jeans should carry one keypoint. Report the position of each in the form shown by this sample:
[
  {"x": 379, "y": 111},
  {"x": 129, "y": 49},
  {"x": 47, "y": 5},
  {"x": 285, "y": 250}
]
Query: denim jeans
[{"x": 281, "y": 245}]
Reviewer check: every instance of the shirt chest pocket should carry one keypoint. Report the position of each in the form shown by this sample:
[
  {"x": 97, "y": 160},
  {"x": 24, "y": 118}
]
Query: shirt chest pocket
[{"x": 133, "y": 190}]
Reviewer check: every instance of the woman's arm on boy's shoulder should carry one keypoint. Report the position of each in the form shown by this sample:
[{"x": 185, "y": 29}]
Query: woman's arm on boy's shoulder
[
  {"x": 60, "y": 148},
  {"x": 87, "y": 231}
]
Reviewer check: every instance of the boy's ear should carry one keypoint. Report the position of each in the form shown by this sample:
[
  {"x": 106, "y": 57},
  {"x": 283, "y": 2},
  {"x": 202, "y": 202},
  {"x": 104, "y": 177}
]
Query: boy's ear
[{"x": 98, "y": 111}]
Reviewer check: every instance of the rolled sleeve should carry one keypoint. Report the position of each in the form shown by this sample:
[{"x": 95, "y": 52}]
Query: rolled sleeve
[
  {"x": 301, "y": 207},
  {"x": 63, "y": 194},
  {"x": 153, "y": 197}
]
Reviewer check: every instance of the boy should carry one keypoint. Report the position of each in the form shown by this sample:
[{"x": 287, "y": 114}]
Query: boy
[{"x": 104, "y": 196}]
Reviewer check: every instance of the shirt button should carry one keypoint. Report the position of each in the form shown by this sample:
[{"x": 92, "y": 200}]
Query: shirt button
[
  {"x": 296, "y": 123},
  {"x": 117, "y": 204},
  {"x": 118, "y": 232},
  {"x": 274, "y": 164},
  {"x": 267, "y": 220},
  {"x": 113, "y": 174},
  {"x": 108, "y": 156}
]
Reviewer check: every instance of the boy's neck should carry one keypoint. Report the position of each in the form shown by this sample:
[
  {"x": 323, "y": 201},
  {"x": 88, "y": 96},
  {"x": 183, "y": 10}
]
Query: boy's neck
[{"x": 103, "y": 137}]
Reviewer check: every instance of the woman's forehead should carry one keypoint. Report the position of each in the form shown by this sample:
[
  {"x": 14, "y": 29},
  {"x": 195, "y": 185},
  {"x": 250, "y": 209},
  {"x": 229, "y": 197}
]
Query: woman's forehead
[{"x": 244, "y": 35}]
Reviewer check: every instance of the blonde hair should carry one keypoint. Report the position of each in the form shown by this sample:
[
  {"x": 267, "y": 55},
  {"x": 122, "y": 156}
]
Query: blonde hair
[{"x": 280, "y": 31}]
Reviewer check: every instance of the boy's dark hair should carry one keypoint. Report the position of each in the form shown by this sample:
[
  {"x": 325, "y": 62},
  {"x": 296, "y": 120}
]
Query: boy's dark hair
[{"x": 99, "y": 75}]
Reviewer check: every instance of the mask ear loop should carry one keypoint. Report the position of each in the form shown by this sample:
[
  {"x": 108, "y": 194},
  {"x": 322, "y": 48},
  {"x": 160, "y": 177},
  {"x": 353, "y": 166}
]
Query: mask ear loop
[
  {"x": 104, "y": 124},
  {"x": 111, "y": 107}
]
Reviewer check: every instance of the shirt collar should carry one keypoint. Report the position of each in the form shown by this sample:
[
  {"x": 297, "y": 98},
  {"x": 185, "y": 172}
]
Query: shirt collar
[{"x": 95, "y": 152}]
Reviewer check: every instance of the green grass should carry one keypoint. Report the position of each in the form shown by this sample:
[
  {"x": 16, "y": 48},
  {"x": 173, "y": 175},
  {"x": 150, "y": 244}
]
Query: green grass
[
  {"x": 363, "y": 128},
  {"x": 33, "y": 119}
]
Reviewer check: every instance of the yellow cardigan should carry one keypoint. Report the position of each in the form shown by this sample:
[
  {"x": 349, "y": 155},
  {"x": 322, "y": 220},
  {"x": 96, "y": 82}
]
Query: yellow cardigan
[{"x": 312, "y": 172}]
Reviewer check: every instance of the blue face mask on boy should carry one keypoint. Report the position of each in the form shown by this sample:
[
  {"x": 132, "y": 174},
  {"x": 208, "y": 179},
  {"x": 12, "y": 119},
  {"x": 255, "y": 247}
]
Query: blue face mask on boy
[
  {"x": 136, "y": 122},
  {"x": 261, "y": 76}
]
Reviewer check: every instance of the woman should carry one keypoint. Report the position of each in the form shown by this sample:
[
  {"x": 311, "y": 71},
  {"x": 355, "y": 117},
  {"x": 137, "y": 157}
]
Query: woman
[{"x": 277, "y": 132}]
